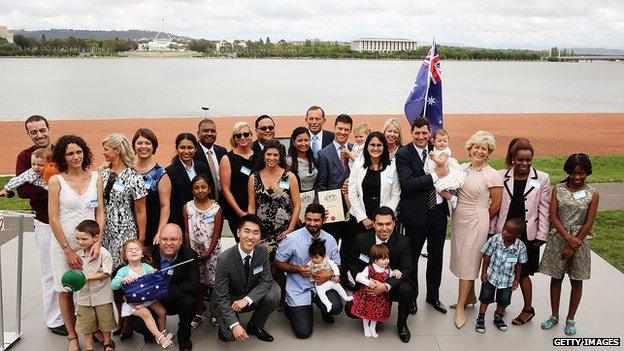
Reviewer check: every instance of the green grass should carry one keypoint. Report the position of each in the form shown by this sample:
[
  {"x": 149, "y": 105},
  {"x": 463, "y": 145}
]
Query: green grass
[
  {"x": 14, "y": 203},
  {"x": 605, "y": 168},
  {"x": 608, "y": 241}
]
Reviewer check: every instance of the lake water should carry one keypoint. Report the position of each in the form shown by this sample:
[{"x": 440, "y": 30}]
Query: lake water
[{"x": 104, "y": 88}]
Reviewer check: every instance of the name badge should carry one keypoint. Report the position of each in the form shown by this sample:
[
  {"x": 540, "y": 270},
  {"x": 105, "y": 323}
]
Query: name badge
[
  {"x": 579, "y": 194},
  {"x": 284, "y": 184},
  {"x": 466, "y": 170},
  {"x": 364, "y": 258},
  {"x": 169, "y": 271},
  {"x": 512, "y": 259},
  {"x": 246, "y": 171},
  {"x": 208, "y": 217},
  {"x": 93, "y": 203},
  {"x": 257, "y": 270},
  {"x": 535, "y": 183},
  {"x": 119, "y": 186},
  {"x": 389, "y": 179}
]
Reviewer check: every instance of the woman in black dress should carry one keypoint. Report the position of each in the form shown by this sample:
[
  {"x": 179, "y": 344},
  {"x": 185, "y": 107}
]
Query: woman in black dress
[
  {"x": 181, "y": 171},
  {"x": 234, "y": 170}
]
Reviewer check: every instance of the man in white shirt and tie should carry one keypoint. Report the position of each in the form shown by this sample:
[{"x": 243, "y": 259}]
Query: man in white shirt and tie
[
  {"x": 319, "y": 137},
  {"x": 210, "y": 152}
]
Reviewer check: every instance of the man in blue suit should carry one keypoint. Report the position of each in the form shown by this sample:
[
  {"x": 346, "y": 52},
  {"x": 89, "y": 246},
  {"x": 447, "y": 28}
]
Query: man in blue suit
[
  {"x": 425, "y": 212},
  {"x": 333, "y": 171}
]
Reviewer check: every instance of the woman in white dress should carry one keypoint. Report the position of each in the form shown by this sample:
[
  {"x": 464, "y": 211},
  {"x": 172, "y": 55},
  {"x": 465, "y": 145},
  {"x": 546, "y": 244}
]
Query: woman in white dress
[{"x": 75, "y": 194}]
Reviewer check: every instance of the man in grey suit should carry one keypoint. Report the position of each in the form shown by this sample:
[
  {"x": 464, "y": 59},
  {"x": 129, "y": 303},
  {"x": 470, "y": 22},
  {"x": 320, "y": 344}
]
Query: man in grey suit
[{"x": 243, "y": 283}]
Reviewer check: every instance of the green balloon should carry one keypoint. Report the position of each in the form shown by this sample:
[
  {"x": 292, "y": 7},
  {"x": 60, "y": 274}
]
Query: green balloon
[{"x": 73, "y": 280}]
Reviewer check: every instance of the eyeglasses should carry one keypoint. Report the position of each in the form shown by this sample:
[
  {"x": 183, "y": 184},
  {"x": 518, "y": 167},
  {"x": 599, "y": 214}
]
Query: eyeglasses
[
  {"x": 375, "y": 146},
  {"x": 265, "y": 128},
  {"x": 242, "y": 135}
]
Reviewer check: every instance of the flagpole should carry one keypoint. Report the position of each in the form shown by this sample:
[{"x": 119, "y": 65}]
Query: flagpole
[{"x": 428, "y": 79}]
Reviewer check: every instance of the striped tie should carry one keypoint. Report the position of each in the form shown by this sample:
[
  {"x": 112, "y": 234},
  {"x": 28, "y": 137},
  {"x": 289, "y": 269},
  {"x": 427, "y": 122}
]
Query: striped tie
[
  {"x": 431, "y": 196},
  {"x": 213, "y": 171}
]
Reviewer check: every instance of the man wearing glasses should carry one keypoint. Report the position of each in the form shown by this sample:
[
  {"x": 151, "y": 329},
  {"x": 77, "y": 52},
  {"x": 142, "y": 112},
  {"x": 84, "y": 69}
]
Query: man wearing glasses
[{"x": 265, "y": 131}]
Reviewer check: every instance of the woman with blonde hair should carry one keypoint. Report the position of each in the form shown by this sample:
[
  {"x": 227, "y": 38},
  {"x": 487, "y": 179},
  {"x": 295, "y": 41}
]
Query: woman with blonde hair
[
  {"x": 124, "y": 196},
  {"x": 234, "y": 170},
  {"x": 478, "y": 200},
  {"x": 394, "y": 137}
]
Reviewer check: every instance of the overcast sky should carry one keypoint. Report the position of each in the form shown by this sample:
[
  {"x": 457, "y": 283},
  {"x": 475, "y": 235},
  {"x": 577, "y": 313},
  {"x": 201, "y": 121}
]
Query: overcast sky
[{"x": 483, "y": 23}]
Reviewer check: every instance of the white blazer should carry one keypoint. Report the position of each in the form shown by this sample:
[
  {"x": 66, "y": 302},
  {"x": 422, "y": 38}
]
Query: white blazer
[{"x": 390, "y": 193}]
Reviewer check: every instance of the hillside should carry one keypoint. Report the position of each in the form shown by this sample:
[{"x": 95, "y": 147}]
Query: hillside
[{"x": 92, "y": 34}]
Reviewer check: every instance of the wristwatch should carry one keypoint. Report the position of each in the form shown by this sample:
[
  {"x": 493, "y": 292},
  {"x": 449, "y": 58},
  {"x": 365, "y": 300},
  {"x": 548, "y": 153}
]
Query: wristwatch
[{"x": 64, "y": 245}]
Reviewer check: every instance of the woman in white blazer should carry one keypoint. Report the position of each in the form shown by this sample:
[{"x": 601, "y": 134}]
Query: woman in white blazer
[{"x": 373, "y": 182}]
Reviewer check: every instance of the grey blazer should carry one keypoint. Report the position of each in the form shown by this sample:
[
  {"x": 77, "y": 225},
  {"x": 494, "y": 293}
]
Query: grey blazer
[{"x": 231, "y": 285}]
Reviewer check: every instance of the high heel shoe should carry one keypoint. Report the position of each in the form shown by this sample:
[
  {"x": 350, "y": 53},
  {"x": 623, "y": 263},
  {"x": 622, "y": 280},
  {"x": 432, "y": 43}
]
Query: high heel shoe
[
  {"x": 471, "y": 303},
  {"x": 459, "y": 323}
]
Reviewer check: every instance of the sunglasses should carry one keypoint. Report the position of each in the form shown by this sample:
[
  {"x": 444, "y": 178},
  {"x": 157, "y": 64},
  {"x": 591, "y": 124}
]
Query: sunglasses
[
  {"x": 242, "y": 135},
  {"x": 265, "y": 128}
]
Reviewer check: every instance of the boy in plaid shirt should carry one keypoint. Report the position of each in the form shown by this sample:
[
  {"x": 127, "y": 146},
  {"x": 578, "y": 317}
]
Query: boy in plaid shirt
[{"x": 503, "y": 256}]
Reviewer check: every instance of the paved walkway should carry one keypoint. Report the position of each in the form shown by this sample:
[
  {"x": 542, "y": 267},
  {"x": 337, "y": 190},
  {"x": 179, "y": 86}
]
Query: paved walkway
[
  {"x": 611, "y": 195},
  {"x": 600, "y": 314}
]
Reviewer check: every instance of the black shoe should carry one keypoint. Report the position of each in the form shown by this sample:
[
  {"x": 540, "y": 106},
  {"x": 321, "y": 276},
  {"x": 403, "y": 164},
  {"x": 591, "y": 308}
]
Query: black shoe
[
  {"x": 413, "y": 309},
  {"x": 404, "y": 333},
  {"x": 221, "y": 336},
  {"x": 437, "y": 305},
  {"x": 327, "y": 318},
  {"x": 259, "y": 333},
  {"x": 60, "y": 330}
]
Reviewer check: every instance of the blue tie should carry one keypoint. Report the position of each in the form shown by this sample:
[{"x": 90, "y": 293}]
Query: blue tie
[{"x": 315, "y": 147}]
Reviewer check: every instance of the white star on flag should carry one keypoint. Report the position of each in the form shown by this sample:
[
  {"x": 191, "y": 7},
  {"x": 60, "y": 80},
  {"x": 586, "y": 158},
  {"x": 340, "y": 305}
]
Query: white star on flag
[{"x": 431, "y": 100}]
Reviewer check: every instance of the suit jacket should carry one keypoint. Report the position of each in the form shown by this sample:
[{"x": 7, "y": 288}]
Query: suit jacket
[
  {"x": 219, "y": 151},
  {"x": 537, "y": 194},
  {"x": 181, "y": 190},
  {"x": 231, "y": 283},
  {"x": 390, "y": 193},
  {"x": 400, "y": 256},
  {"x": 185, "y": 278},
  {"x": 328, "y": 138},
  {"x": 331, "y": 173},
  {"x": 415, "y": 187}
]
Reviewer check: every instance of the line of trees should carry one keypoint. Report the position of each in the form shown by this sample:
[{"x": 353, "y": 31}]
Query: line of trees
[{"x": 28, "y": 46}]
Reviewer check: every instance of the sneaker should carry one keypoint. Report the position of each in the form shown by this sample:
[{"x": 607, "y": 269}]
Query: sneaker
[
  {"x": 197, "y": 320},
  {"x": 499, "y": 322}
]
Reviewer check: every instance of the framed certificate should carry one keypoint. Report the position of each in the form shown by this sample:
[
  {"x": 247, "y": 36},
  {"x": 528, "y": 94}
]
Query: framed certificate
[
  {"x": 306, "y": 199},
  {"x": 332, "y": 201}
]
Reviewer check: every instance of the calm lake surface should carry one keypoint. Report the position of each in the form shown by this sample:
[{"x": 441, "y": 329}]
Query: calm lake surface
[{"x": 105, "y": 88}]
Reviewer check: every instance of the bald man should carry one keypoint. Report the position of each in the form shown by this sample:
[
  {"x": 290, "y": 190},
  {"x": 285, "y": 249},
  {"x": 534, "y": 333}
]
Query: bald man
[{"x": 183, "y": 283}]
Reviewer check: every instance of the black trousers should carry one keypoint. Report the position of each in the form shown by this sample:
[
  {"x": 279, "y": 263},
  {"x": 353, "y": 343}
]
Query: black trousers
[
  {"x": 301, "y": 317},
  {"x": 261, "y": 311},
  {"x": 344, "y": 234},
  {"x": 403, "y": 293},
  {"x": 434, "y": 232},
  {"x": 184, "y": 307}
]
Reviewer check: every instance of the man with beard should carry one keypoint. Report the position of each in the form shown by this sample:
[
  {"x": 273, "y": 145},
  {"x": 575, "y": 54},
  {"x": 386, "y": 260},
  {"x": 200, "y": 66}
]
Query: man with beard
[
  {"x": 292, "y": 257},
  {"x": 210, "y": 153}
]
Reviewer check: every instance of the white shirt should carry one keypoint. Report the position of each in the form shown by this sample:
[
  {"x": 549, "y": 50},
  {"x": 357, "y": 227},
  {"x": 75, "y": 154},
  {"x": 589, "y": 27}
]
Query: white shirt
[
  {"x": 214, "y": 159},
  {"x": 434, "y": 175},
  {"x": 190, "y": 170},
  {"x": 243, "y": 254},
  {"x": 337, "y": 146}
]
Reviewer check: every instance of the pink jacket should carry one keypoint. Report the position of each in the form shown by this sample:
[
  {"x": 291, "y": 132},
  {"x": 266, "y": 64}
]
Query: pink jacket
[{"x": 536, "y": 203}]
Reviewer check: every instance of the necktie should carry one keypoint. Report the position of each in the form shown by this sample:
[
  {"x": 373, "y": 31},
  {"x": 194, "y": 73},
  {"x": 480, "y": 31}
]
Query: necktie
[
  {"x": 247, "y": 265},
  {"x": 315, "y": 147},
  {"x": 344, "y": 159},
  {"x": 213, "y": 172},
  {"x": 431, "y": 196}
]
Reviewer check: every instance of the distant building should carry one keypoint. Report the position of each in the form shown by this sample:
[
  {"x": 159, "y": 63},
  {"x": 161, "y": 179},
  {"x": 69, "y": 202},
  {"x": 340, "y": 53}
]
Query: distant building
[
  {"x": 6, "y": 34},
  {"x": 383, "y": 45}
]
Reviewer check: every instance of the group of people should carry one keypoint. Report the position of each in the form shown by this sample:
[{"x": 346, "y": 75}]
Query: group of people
[{"x": 134, "y": 216}]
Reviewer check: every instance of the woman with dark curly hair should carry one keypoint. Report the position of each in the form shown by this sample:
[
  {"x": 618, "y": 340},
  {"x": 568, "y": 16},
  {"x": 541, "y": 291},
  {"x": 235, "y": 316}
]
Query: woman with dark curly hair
[{"x": 75, "y": 194}]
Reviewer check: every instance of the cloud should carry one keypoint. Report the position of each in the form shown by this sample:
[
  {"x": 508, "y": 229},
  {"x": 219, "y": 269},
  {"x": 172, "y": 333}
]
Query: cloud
[{"x": 485, "y": 23}]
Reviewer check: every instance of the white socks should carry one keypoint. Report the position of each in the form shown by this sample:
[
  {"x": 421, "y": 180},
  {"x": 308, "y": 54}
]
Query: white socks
[{"x": 370, "y": 328}]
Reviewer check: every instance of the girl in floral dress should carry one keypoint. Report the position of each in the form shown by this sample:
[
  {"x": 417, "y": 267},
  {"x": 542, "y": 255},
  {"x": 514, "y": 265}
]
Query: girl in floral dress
[
  {"x": 202, "y": 232},
  {"x": 374, "y": 308}
]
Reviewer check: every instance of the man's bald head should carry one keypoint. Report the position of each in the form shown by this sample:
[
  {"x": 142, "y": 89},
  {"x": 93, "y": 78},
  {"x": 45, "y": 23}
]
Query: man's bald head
[{"x": 170, "y": 240}]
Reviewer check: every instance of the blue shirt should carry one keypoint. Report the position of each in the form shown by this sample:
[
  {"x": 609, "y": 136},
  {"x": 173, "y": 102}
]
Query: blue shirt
[
  {"x": 164, "y": 263},
  {"x": 503, "y": 260},
  {"x": 294, "y": 250}
]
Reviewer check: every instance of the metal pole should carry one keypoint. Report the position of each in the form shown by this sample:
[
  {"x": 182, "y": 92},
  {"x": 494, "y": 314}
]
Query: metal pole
[
  {"x": 1, "y": 310},
  {"x": 20, "y": 252}
]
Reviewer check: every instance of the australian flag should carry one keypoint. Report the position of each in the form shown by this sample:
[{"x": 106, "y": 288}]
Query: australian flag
[{"x": 425, "y": 99}]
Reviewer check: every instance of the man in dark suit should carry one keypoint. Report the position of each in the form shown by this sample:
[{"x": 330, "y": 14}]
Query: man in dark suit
[
  {"x": 425, "y": 212},
  {"x": 209, "y": 152},
  {"x": 333, "y": 171},
  {"x": 183, "y": 283},
  {"x": 319, "y": 137},
  {"x": 243, "y": 283},
  {"x": 265, "y": 131},
  {"x": 401, "y": 290}
]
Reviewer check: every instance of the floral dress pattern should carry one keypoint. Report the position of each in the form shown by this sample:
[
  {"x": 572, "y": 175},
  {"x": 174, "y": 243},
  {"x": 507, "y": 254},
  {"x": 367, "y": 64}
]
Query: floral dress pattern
[
  {"x": 274, "y": 207},
  {"x": 201, "y": 225},
  {"x": 372, "y": 307},
  {"x": 572, "y": 211},
  {"x": 120, "y": 192}
]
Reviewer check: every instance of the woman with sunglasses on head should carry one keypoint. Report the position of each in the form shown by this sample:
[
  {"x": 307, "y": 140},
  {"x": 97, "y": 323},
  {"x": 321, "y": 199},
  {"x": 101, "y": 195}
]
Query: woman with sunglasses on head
[{"x": 234, "y": 170}]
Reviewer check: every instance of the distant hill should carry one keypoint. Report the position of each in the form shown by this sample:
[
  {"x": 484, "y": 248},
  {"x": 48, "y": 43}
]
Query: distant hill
[
  {"x": 596, "y": 51},
  {"x": 92, "y": 34}
]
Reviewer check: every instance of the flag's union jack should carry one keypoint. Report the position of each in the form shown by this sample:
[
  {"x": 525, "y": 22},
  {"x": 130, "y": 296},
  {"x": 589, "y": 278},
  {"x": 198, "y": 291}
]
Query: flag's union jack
[{"x": 435, "y": 72}]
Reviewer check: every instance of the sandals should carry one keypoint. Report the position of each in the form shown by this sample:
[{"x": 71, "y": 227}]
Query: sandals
[
  {"x": 499, "y": 322},
  {"x": 570, "y": 328},
  {"x": 480, "y": 327},
  {"x": 550, "y": 322},
  {"x": 197, "y": 320},
  {"x": 519, "y": 321},
  {"x": 72, "y": 338},
  {"x": 164, "y": 340},
  {"x": 109, "y": 347}
]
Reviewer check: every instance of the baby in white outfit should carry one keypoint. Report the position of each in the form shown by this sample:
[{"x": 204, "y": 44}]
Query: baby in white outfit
[
  {"x": 440, "y": 157},
  {"x": 318, "y": 262}
]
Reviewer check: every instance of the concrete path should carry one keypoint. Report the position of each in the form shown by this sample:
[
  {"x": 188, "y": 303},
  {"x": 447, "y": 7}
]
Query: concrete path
[
  {"x": 600, "y": 314},
  {"x": 611, "y": 195}
]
